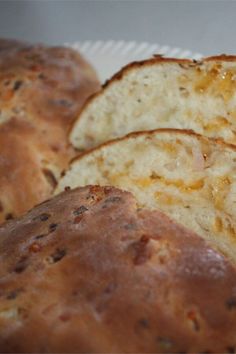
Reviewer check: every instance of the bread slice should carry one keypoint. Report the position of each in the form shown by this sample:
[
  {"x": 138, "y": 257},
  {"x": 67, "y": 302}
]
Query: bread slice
[
  {"x": 189, "y": 177},
  {"x": 102, "y": 276},
  {"x": 162, "y": 93}
]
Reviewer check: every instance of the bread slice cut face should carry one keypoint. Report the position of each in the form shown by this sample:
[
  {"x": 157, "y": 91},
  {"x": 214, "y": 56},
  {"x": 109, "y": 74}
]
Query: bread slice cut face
[
  {"x": 189, "y": 177},
  {"x": 162, "y": 93}
]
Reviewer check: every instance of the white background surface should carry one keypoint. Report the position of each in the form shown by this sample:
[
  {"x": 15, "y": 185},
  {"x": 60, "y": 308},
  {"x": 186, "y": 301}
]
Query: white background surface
[
  {"x": 208, "y": 27},
  {"x": 107, "y": 57}
]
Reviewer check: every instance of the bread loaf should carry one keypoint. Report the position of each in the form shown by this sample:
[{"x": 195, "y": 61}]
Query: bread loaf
[
  {"x": 189, "y": 177},
  {"x": 90, "y": 272},
  {"x": 41, "y": 92},
  {"x": 162, "y": 93}
]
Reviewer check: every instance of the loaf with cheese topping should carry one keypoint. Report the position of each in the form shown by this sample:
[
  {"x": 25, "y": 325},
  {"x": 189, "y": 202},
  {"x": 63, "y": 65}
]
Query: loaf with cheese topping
[
  {"x": 189, "y": 177},
  {"x": 162, "y": 93}
]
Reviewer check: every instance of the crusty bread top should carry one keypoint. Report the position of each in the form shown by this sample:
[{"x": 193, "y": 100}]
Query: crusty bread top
[
  {"x": 28, "y": 170},
  {"x": 162, "y": 93},
  {"x": 45, "y": 84},
  {"x": 41, "y": 92},
  {"x": 89, "y": 272}
]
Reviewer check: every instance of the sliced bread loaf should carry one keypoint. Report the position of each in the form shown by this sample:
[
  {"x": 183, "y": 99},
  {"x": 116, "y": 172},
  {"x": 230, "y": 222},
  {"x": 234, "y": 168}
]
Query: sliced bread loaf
[
  {"x": 189, "y": 177},
  {"x": 162, "y": 93}
]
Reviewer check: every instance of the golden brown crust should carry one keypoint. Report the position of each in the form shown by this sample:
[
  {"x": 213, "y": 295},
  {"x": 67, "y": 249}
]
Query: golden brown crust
[
  {"x": 137, "y": 64},
  {"x": 153, "y": 132},
  {"x": 54, "y": 81},
  {"x": 221, "y": 57},
  {"x": 157, "y": 59},
  {"x": 42, "y": 90},
  {"x": 25, "y": 165},
  {"x": 100, "y": 275}
]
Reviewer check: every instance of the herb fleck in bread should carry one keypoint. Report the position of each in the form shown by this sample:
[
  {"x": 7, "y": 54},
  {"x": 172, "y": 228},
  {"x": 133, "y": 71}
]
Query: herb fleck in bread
[
  {"x": 41, "y": 92},
  {"x": 162, "y": 93},
  {"x": 189, "y": 177},
  {"x": 89, "y": 272}
]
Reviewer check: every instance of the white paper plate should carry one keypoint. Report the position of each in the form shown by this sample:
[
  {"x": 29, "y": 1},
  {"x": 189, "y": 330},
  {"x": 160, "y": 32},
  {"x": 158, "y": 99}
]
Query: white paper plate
[{"x": 109, "y": 56}]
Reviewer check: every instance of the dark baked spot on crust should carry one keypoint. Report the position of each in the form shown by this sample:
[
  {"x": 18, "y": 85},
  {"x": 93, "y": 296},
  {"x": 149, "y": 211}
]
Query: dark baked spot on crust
[
  {"x": 40, "y": 236},
  {"x": 50, "y": 177},
  {"x": 9, "y": 216},
  {"x": 90, "y": 196},
  {"x": 21, "y": 265},
  {"x": 42, "y": 217},
  {"x": 1, "y": 207},
  {"x": 17, "y": 85},
  {"x": 63, "y": 102},
  {"x": 41, "y": 76},
  {"x": 230, "y": 349},
  {"x": 139, "y": 210},
  {"x": 141, "y": 251},
  {"x": 110, "y": 288},
  {"x": 79, "y": 212},
  {"x": 52, "y": 227},
  {"x": 67, "y": 188},
  {"x": 12, "y": 295},
  {"x": 82, "y": 209},
  {"x": 57, "y": 256},
  {"x": 231, "y": 303},
  {"x": 158, "y": 56},
  {"x": 56, "y": 148},
  {"x": 113, "y": 199},
  {"x": 144, "y": 323},
  {"x": 75, "y": 292}
]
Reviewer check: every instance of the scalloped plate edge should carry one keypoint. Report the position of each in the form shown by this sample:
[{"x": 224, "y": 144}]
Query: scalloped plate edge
[{"x": 110, "y": 56}]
